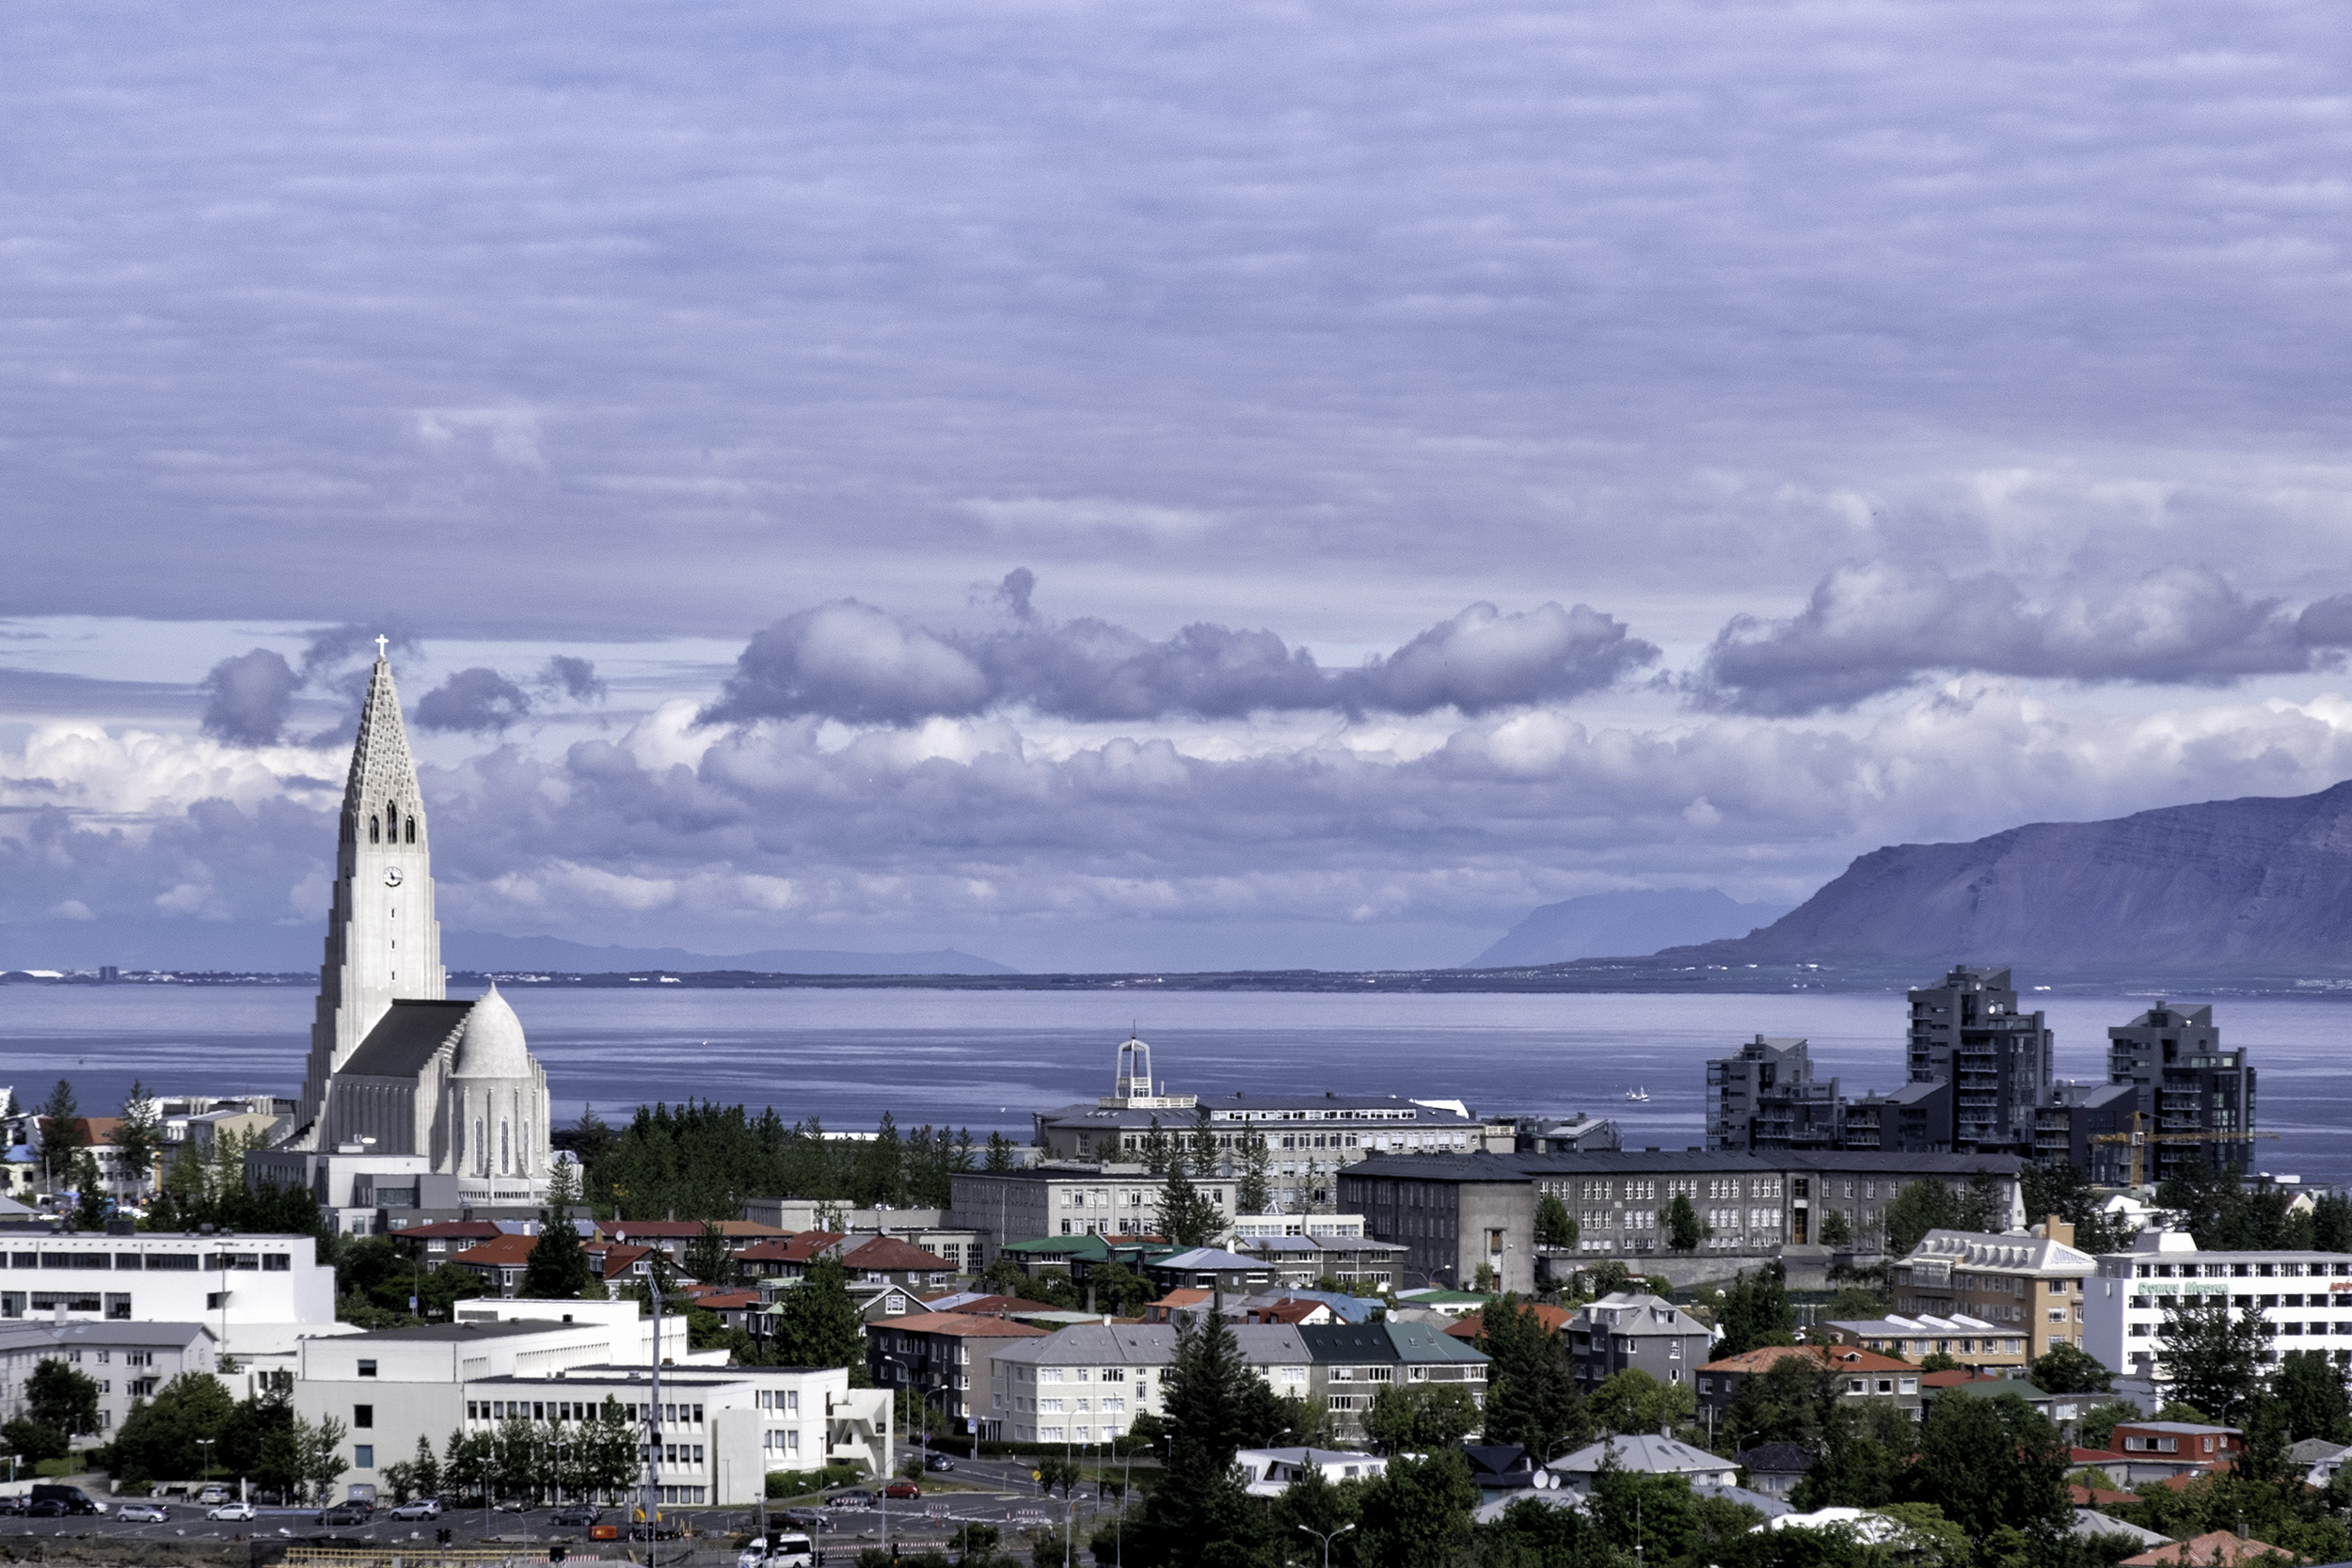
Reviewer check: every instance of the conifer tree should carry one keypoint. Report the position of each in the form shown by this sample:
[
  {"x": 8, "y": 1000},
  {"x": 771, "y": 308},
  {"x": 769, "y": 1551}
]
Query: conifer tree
[
  {"x": 61, "y": 1132},
  {"x": 558, "y": 1268}
]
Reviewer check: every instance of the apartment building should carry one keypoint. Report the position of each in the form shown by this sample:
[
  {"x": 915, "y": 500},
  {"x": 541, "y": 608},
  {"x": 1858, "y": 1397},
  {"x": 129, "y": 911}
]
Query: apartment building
[
  {"x": 1064, "y": 1198},
  {"x": 127, "y": 1361},
  {"x": 2030, "y": 1287},
  {"x": 1971, "y": 1033},
  {"x": 1856, "y": 1374},
  {"x": 1635, "y": 1331},
  {"x": 257, "y": 1293},
  {"x": 2306, "y": 1297},
  {"x": 1086, "y": 1383},
  {"x": 944, "y": 1357},
  {"x": 2183, "y": 1084},
  {"x": 1765, "y": 1096},
  {"x": 1352, "y": 1362}
]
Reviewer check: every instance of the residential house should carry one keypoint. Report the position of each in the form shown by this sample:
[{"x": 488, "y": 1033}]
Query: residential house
[
  {"x": 1306, "y": 1261},
  {"x": 2305, "y": 1297},
  {"x": 885, "y": 1260},
  {"x": 436, "y": 1243},
  {"x": 1181, "y": 1304},
  {"x": 1268, "y": 1472},
  {"x": 1958, "y": 1336},
  {"x": 1643, "y": 1454},
  {"x": 1470, "y": 1327},
  {"x": 2030, "y": 1288},
  {"x": 1775, "y": 1468},
  {"x": 616, "y": 1264},
  {"x": 734, "y": 1308},
  {"x": 1212, "y": 1268},
  {"x": 2214, "y": 1549},
  {"x": 1856, "y": 1375},
  {"x": 788, "y": 1258},
  {"x": 1352, "y": 1362},
  {"x": 498, "y": 1262},
  {"x": 946, "y": 1357},
  {"x": 2059, "y": 1409},
  {"x": 1635, "y": 1329},
  {"x": 1501, "y": 1466},
  {"x": 127, "y": 1361}
]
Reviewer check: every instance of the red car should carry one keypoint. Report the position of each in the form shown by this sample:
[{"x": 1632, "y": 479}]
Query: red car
[{"x": 898, "y": 1489}]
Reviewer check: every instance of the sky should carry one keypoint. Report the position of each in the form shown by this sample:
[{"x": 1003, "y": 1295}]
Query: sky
[{"x": 1125, "y": 485}]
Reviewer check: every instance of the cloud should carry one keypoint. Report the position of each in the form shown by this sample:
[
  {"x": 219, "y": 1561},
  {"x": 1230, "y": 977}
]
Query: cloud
[
  {"x": 250, "y": 697},
  {"x": 1874, "y": 628},
  {"x": 473, "y": 702},
  {"x": 329, "y": 648},
  {"x": 568, "y": 675},
  {"x": 853, "y": 662}
]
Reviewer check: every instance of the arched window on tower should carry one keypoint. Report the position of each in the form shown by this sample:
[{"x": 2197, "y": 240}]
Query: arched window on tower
[
  {"x": 410, "y": 826},
  {"x": 375, "y": 831},
  {"x": 482, "y": 1150},
  {"x": 392, "y": 821},
  {"x": 504, "y": 1143}
]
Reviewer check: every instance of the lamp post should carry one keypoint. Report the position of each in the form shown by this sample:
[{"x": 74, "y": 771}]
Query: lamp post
[
  {"x": 1326, "y": 1537},
  {"x": 204, "y": 1443}
]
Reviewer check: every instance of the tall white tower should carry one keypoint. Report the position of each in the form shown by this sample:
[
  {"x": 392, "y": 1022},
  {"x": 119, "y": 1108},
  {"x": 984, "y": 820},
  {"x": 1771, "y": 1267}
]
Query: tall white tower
[{"x": 382, "y": 940}]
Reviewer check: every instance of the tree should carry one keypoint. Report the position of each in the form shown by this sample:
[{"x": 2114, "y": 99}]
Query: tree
[
  {"x": 323, "y": 1462},
  {"x": 1000, "y": 1156},
  {"x": 138, "y": 1137},
  {"x": 1919, "y": 1207},
  {"x": 2215, "y": 1358},
  {"x": 1756, "y": 1313},
  {"x": 61, "y": 1132},
  {"x": 2057, "y": 1186},
  {"x": 817, "y": 1324},
  {"x": 2310, "y": 1390},
  {"x": 1632, "y": 1400},
  {"x": 1416, "y": 1513},
  {"x": 59, "y": 1396},
  {"x": 92, "y": 1208},
  {"x": 2064, "y": 1369},
  {"x": 2331, "y": 1223},
  {"x": 710, "y": 1260},
  {"x": 158, "y": 1438},
  {"x": 558, "y": 1268},
  {"x": 33, "y": 1440},
  {"x": 1864, "y": 1446},
  {"x": 1835, "y": 1230},
  {"x": 1787, "y": 1402},
  {"x": 1155, "y": 1148},
  {"x": 1531, "y": 1397},
  {"x": 1683, "y": 1230},
  {"x": 1990, "y": 1462},
  {"x": 1254, "y": 1193},
  {"x": 1421, "y": 1416},
  {"x": 1981, "y": 1208},
  {"x": 1554, "y": 1226},
  {"x": 1199, "y": 1512},
  {"x": 1186, "y": 1217},
  {"x": 2096, "y": 1425}
]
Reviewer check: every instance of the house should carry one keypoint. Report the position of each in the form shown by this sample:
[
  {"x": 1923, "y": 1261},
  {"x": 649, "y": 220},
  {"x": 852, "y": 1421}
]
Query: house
[
  {"x": 885, "y": 1260},
  {"x": 1644, "y": 1454},
  {"x": 677, "y": 1237},
  {"x": 1635, "y": 1329},
  {"x": 1212, "y": 1268},
  {"x": 944, "y": 1357},
  {"x": 1268, "y": 1472},
  {"x": 788, "y": 1258},
  {"x": 1454, "y": 1304},
  {"x": 2030, "y": 1288},
  {"x": 1179, "y": 1305},
  {"x": 1775, "y": 1468},
  {"x": 734, "y": 1308},
  {"x": 1304, "y": 1260},
  {"x": 1352, "y": 1362},
  {"x": 1285, "y": 1310},
  {"x": 2319, "y": 1458},
  {"x": 616, "y": 1265},
  {"x": 498, "y": 1262},
  {"x": 1963, "y": 1337},
  {"x": 2060, "y": 1409},
  {"x": 1468, "y": 1326},
  {"x": 434, "y": 1244},
  {"x": 1859, "y": 1374},
  {"x": 2214, "y": 1549},
  {"x": 2142, "y": 1452},
  {"x": 1500, "y": 1467}
]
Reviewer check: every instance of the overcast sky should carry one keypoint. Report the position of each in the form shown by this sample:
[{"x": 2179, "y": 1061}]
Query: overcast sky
[{"x": 1130, "y": 485}]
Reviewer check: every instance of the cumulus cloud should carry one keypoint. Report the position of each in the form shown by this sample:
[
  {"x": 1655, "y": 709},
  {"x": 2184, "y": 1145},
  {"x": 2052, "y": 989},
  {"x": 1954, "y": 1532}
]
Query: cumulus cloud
[
  {"x": 569, "y": 675},
  {"x": 1873, "y": 629},
  {"x": 850, "y": 662},
  {"x": 478, "y": 700},
  {"x": 250, "y": 697}
]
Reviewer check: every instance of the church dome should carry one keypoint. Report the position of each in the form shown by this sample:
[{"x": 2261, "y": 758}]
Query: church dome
[{"x": 492, "y": 1046}]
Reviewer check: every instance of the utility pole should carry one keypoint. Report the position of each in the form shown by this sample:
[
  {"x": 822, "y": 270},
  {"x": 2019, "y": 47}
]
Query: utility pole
[{"x": 652, "y": 1510}]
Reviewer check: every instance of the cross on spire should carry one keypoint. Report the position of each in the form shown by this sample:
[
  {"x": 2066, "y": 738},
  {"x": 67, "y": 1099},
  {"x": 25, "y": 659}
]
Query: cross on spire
[{"x": 380, "y": 640}]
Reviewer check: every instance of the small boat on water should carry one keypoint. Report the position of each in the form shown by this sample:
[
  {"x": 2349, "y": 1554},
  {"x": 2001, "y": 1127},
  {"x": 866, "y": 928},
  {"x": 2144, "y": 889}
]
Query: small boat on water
[{"x": 1638, "y": 1094}]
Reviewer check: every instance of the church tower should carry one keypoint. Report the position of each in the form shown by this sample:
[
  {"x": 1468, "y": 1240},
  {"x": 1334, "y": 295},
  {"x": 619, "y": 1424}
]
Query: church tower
[{"x": 383, "y": 942}]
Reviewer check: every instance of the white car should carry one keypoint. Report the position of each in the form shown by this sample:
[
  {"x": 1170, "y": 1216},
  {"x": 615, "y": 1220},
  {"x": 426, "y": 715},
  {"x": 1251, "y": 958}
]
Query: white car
[
  {"x": 143, "y": 1513},
  {"x": 234, "y": 1511}
]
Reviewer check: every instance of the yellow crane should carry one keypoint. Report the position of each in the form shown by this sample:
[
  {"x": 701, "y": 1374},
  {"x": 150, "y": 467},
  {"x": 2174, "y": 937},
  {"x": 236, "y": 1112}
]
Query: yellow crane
[{"x": 2139, "y": 1139}]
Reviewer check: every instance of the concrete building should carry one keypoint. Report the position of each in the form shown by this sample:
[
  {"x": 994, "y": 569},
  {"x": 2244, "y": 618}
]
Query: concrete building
[
  {"x": 2306, "y": 1297},
  {"x": 1856, "y": 1375},
  {"x": 1458, "y": 1214},
  {"x": 128, "y": 1361},
  {"x": 1635, "y": 1330},
  {"x": 2183, "y": 1083},
  {"x": 1765, "y": 1096},
  {"x": 2065, "y": 1124},
  {"x": 1970, "y": 1340},
  {"x": 1352, "y": 1362},
  {"x": 1086, "y": 1383},
  {"x": 2029, "y": 1286},
  {"x": 258, "y": 1294},
  {"x": 1970, "y": 1033},
  {"x": 1301, "y": 1260},
  {"x": 944, "y": 1358},
  {"x": 1063, "y": 1198}
]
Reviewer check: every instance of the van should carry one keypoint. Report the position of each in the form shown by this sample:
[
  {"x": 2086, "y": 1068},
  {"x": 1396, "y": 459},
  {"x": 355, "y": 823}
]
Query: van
[
  {"x": 74, "y": 1498},
  {"x": 790, "y": 1550}
]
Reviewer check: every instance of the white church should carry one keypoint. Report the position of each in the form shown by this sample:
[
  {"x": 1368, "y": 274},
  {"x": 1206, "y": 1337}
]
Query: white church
[{"x": 412, "y": 1101}]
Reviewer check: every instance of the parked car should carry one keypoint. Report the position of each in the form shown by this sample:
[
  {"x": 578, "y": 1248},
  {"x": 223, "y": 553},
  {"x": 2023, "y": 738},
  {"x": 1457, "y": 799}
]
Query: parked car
[
  {"x": 73, "y": 1497},
  {"x": 513, "y": 1505},
  {"x": 343, "y": 1513},
  {"x": 576, "y": 1514},
  {"x": 211, "y": 1495},
  {"x": 938, "y": 1464},
  {"x": 48, "y": 1508},
  {"x": 857, "y": 1498},
  {"x": 15, "y": 1505},
  {"x": 233, "y": 1511},
  {"x": 801, "y": 1518},
  {"x": 418, "y": 1508},
  {"x": 143, "y": 1513},
  {"x": 901, "y": 1489}
]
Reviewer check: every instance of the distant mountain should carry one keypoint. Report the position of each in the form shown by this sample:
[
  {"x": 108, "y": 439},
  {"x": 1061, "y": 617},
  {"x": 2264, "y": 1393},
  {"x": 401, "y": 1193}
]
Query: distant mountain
[
  {"x": 1617, "y": 925},
  {"x": 483, "y": 950},
  {"x": 2259, "y": 886}
]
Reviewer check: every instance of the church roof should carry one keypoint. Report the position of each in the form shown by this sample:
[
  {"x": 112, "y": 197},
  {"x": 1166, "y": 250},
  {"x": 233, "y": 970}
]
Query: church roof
[
  {"x": 404, "y": 1038},
  {"x": 493, "y": 1043}
]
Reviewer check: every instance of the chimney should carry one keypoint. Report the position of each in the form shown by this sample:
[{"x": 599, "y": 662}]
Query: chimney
[{"x": 2057, "y": 1230}]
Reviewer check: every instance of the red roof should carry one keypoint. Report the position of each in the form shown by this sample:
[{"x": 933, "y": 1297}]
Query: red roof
[
  {"x": 963, "y": 1325},
  {"x": 2214, "y": 1547},
  {"x": 713, "y": 1298},
  {"x": 1957, "y": 1375},
  {"x": 616, "y": 1261},
  {"x": 1840, "y": 1358},
  {"x": 499, "y": 1252},
  {"x": 802, "y": 1248},
  {"x": 479, "y": 1229},
  {"x": 889, "y": 1254},
  {"x": 2098, "y": 1496},
  {"x": 1470, "y": 1326},
  {"x": 1288, "y": 1310}
]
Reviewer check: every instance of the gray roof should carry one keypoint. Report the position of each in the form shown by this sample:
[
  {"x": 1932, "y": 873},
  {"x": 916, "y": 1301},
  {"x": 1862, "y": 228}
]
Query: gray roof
[
  {"x": 31, "y": 1336},
  {"x": 1646, "y": 1452},
  {"x": 1384, "y": 1341},
  {"x": 1601, "y": 1162},
  {"x": 404, "y": 1038},
  {"x": 1392, "y": 1112},
  {"x": 1636, "y": 1312},
  {"x": 2090, "y": 1521},
  {"x": 1148, "y": 1345},
  {"x": 2020, "y": 1253},
  {"x": 1207, "y": 1258},
  {"x": 445, "y": 1333}
]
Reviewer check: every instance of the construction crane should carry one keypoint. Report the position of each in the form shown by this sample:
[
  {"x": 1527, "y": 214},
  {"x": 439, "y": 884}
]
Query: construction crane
[{"x": 2139, "y": 1139}]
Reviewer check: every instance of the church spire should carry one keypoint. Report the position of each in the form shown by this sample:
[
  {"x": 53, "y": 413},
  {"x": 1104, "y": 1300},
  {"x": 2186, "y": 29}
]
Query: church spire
[{"x": 383, "y": 774}]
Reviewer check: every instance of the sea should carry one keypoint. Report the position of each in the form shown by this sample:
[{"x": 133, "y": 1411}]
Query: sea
[{"x": 986, "y": 1060}]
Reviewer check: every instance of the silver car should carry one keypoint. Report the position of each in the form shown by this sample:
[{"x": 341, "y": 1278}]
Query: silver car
[
  {"x": 143, "y": 1513},
  {"x": 234, "y": 1511}
]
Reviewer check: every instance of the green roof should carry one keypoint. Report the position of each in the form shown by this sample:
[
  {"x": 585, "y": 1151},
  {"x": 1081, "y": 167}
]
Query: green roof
[
  {"x": 1091, "y": 1248},
  {"x": 1446, "y": 1298}
]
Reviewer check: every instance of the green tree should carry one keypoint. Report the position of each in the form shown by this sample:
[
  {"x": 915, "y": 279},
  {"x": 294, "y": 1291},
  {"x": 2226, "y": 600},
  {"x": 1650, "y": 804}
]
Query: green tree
[
  {"x": 138, "y": 1137},
  {"x": 1155, "y": 1148},
  {"x": 92, "y": 1208},
  {"x": 1756, "y": 1313},
  {"x": 1919, "y": 1207},
  {"x": 1416, "y": 1513},
  {"x": 322, "y": 1460},
  {"x": 1864, "y": 1446},
  {"x": 1990, "y": 1461},
  {"x": 2331, "y": 1223},
  {"x": 1554, "y": 1226},
  {"x": 1531, "y": 1397},
  {"x": 1000, "y": 1156},
  {"x": 558, "y": 1268},
  {"x": 816, "y": 1323},
  {"x": 710, "y": 1260},
  {"x": 1198, "y": 1513},
  {"x": 62, "y": 1132},
  {"x": 2064, "y": 1369},
  {"x": 2310, "y": 1388},
  {"x": 1535, "y": 1534},
  {"x": 2215, "y": 1358},
  {"x": 59, "y": 1396},
  {"x": 1683, "y": 1230},
  {"x": 1787, "y": 1402},
  {"x": 1632, "y": 1400},
  {"x": 1254, "y": 1193},
  {"x": 1421, "y": 1416},
  {"x": 1981, "y": 1208},
  {"x": 158, "y": 1438},
  {"x": 1186, "y": 1217},
  {"x": 32, "y": 1440},
  {"x": 2058, "y": 1187},
  {"x": 1835, "y": 1230},
  {"x": 2096, "y": 1425}
]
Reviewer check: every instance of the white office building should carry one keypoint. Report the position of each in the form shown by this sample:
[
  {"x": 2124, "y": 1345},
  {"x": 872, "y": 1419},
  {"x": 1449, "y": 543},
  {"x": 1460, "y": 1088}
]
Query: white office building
[
  {"x": 127, "y": 1361},
  {"x": 2305, "y": 1296},
  {"x": 256, "y": 1294}
]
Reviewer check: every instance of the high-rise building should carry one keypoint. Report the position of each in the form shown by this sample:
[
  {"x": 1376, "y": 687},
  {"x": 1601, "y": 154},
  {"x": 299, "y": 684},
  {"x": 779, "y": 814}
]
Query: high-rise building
[
  {"x": 1765, "y": 1097},
  {"x": 1970, "y": 1033},
  {"x": 2185, "y": 1083}
]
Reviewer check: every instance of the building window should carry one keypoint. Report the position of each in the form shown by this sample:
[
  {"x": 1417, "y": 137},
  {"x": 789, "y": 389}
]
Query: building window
[
  {"x": 367, "y": 1369},
  {"x": 363, "y": 1415},
  {"x": 363, "y": 1457}
]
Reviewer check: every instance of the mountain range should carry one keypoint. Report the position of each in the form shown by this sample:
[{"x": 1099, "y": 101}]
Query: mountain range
[
  {"x": 2257, "y": 887},
  {"x": 1606, "y": 925}
]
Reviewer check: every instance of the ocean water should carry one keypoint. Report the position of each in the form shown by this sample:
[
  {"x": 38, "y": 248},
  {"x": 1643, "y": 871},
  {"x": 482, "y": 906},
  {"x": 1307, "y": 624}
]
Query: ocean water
[{"x": 987, "y": 1059}]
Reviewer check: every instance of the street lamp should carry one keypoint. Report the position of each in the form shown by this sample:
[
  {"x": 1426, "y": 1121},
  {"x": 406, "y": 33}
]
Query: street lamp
[
  {"x": 204, "y": 1443},
  {"x": 1326, "y": 1537}
]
